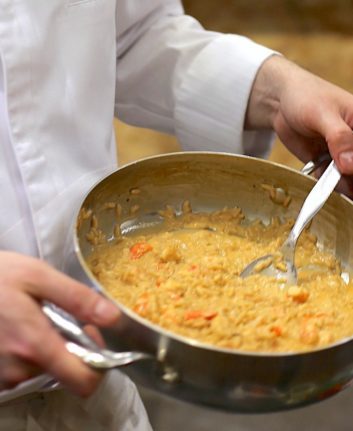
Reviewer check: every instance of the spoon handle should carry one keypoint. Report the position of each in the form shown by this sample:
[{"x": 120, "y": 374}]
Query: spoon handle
[{"x": 315, "y": 200}]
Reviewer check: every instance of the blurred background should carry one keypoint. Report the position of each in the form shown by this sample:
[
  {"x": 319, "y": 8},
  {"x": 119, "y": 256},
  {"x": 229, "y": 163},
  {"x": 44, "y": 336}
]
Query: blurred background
[{"x": 317, "y": 34}]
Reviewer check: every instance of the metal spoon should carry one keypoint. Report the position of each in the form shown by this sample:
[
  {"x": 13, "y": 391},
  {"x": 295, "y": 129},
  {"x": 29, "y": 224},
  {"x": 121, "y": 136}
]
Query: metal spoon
[{"x": 312, "y": 204}]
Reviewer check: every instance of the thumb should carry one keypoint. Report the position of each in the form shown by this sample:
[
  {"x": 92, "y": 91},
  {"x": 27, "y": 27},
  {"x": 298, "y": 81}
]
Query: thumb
[{"x": 339, "y": 139}]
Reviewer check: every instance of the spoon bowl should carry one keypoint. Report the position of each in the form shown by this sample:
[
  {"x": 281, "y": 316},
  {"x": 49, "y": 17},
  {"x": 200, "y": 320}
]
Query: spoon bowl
[{"x": 315, "y": 200}]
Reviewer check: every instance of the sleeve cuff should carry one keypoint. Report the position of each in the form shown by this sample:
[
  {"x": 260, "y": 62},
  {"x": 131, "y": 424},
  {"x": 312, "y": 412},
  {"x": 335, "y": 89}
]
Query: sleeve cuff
[{"x": 212, "y": 99}]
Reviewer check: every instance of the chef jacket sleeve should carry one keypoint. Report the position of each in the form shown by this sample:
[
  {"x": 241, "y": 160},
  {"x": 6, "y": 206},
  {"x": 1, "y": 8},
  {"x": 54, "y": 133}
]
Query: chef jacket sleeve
[{"x": 178, "y": 78}]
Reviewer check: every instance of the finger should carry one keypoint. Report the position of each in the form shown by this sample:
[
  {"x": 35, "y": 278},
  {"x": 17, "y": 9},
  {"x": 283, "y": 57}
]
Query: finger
[
  {"x": 339, "y": 138},
  {"x": 69, "y": 369},
  {"x": 14, "y": 371},
  {"x": 43, "y": 346},
  {"x": 340, "y": 143},
  {"x": 27, "y": 334},
  {"x": 345, "y": 186},
  {"x": 306, "y": 148},
  {"x": 46, "y": 283},
  {"x": 93, "y": 332}
]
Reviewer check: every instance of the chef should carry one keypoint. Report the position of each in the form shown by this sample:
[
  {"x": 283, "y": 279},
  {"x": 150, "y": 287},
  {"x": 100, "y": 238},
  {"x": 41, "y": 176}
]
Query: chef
[{"x": 66, "y": 67}]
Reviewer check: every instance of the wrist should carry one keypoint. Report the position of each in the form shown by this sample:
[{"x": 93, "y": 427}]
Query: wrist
[{"x": 265, "y": 96}]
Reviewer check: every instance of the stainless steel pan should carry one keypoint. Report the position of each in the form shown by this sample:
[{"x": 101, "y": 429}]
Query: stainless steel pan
[{"x": 184, "y": 368}]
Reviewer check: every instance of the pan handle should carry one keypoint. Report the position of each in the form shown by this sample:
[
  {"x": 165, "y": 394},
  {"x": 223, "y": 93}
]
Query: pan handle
[
  {"x": 68, "y": 326},
  {"x": 80, "y": 345},
  {"x": 84, "y": 347},
  {"x": 311, "y": 166}
]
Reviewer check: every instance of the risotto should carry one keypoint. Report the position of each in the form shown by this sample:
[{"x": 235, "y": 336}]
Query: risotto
[{"x": 184, "y": 277}]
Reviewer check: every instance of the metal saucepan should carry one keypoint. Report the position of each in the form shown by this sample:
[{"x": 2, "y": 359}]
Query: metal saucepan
[{"x": 184, "y": 368}]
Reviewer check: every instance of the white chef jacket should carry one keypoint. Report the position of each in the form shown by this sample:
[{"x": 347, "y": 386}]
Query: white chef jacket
[{"x": 68, "y": 65}]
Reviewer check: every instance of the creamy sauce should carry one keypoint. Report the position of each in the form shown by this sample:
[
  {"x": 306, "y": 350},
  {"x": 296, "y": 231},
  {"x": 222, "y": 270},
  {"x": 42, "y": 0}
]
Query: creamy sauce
[{"x": 184, "y": 277}]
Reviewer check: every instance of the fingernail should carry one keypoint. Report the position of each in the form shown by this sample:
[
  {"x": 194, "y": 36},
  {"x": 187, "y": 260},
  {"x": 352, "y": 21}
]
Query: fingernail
[
  {"x": 346, "y": 160},
  {"x": 106, "y": 310}
]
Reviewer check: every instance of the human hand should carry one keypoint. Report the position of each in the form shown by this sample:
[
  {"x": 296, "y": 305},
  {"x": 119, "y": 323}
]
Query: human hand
[
  {"x": 310, "y": 115},
  {"x": 28, "y": 342}
]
